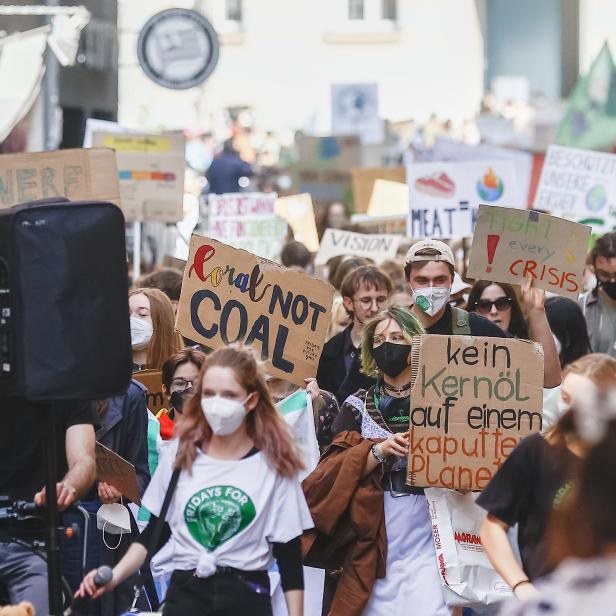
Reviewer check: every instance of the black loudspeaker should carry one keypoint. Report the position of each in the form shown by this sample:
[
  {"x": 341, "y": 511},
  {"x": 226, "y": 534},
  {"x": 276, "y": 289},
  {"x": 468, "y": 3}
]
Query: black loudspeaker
[{"x": 64, "y": 326}]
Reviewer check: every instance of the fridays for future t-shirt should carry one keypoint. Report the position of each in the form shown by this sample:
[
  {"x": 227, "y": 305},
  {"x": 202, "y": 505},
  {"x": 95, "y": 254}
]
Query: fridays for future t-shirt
[{"x": 234, "y": 509}]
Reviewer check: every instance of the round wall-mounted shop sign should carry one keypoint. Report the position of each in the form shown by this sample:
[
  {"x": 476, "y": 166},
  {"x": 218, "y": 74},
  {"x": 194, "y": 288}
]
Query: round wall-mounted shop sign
[{"x": 178, "y": 48}]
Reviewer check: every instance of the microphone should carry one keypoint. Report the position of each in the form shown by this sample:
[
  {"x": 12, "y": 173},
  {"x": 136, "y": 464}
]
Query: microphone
[{"x": 103, "y": 576}]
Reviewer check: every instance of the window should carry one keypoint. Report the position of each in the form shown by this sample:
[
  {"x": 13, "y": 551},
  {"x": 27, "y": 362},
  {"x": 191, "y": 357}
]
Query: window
[
  {"x": 356, "y": 9},
  {"x": 370, "y": 12},
  {"x": 389, "y": 9},
  {"x": 233, "y": 10}
]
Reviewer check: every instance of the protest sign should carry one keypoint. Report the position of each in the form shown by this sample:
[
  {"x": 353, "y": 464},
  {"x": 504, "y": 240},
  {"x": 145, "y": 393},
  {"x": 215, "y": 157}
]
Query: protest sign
[
  {"x": 229, "y": 295},
  {"x": 444, "y": 197},
  {"x": 579, "y": 185},
  {"x": 248, "y": 221},
  {"x": 297, "y": 411},
  {"x": 329, "y": 153},
  {"x": 383, "y": 225},
  {"x": 363, "y": 183},
  {"x": 151, "y": 172},
  {"x": 389, "y": 198},
  {"x": 78, "y": 175},
  {"x": 338, "y": 242},
  {"x": 324, "y": 167},
  {"x": 117, "y": 472},
  {"x": 510, "y": 244},
  {"x": 473, "y": 399},
  {"x": 324, "y": 184},
  {"x": 355, "y": 111},
  {"x": 152, "y": 380},
  {"x": 298, "y": 211},
  {"x": 447, "y": 149}
]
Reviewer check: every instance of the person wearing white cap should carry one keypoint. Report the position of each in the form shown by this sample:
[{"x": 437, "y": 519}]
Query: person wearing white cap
[{"x": 429, "y": 268}]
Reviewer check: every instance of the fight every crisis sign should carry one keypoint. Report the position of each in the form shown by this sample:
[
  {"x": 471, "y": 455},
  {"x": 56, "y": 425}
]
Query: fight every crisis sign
[{"x": 230, "y": 295}]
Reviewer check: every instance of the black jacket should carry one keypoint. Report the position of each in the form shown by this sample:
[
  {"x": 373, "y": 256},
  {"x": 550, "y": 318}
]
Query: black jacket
[
  {"x": 125, "y": 430},
  {"x": 332, "y": 373}
]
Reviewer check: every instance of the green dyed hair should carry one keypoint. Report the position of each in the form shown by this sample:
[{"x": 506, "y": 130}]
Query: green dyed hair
[{"x": 409, "y": 324}]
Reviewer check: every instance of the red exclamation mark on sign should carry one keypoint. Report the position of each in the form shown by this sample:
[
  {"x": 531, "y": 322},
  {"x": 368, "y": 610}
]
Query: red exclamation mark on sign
[{"x": 492, "y": 244}]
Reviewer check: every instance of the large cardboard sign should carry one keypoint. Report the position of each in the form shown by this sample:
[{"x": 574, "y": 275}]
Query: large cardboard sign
[
  {"x": 389, "y": 199},
  {"x": 579, "y": 185},
  {"x": 298, "y": 211},
  {"x": 230, "y": 295},
  {"x": 444, "y": 197},
  {"x": 473, "y": 400},
  {"x": 324, "y": 167},
  {"x": 152, "y": 380},
  {"x": 510, "y": 244},
  {"x": 324, "y": 185},
  {"x": 117, "y": 472},
  {"x": 248, "y": 221},
  {"x": 338, "y": 242},
  {"x": 364, "y": 180},
  {"x": 381, "y": 225},
  {"x": 151, "y": 172},
  {"x": 329, "y": 153},
  {"x": 79, "y": 175}
]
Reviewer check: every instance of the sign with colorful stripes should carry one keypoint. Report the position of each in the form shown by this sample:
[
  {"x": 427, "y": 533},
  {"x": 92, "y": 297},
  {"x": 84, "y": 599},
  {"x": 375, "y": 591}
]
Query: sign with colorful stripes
[{"x": 151, "y": 173}]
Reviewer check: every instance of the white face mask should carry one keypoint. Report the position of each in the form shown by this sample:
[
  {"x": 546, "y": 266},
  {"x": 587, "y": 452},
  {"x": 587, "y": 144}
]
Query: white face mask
[
  {"x": 431, "y": 299},
  {"x": 113, "y": 518},
  {"x": 225, "y": 416},
  {"x": 140, "y": 333}
]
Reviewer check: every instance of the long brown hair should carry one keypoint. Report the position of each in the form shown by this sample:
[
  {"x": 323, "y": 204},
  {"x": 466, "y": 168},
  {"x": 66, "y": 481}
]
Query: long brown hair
[
  {"x": 165, "y": 340},
  {"x": 264, "y": 424},
  {"x": 600, "y": 368}
]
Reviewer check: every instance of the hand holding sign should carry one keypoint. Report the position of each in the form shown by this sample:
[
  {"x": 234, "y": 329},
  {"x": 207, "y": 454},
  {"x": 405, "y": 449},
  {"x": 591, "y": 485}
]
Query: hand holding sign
[
  {"x": 511, "y": 245},
  {"x": 472, "y": 401},
  {"x": 533, "y": 298}
]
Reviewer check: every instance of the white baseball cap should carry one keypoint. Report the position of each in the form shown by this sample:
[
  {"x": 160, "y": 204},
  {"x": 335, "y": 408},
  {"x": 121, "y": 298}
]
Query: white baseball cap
[{"x": 441, "y": 251}]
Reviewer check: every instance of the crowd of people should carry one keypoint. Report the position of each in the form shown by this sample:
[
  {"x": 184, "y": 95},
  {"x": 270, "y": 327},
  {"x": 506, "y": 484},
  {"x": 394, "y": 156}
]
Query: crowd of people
[{"x": 217, "y": 467}]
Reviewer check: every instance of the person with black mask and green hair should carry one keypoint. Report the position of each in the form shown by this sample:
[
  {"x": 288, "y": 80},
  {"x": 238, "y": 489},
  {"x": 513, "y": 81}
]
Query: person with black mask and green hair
[
  {"x": 381, "y": 414},
  {"x": 599, "y": 305}
]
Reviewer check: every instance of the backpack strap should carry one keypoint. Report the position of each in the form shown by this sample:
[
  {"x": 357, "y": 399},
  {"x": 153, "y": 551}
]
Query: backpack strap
[
  {"x": 356, "y": 403},
  {"x": 460, "y": 322},
  {"x": 160, "y": 521}
]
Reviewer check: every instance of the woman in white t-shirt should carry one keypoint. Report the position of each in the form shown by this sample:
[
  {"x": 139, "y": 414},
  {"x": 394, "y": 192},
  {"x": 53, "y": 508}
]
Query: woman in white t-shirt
[{"x": 237, "y": 504}]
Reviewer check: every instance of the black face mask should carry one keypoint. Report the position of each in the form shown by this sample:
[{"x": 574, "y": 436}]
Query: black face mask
[
  {"x": 391, "y": 358},
  {"x": 176, "y": 400},
  {"x": 609, "y": 288}
]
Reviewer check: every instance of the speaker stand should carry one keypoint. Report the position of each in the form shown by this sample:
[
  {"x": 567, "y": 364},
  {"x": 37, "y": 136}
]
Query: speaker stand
[{"x": 54, "y": 572}]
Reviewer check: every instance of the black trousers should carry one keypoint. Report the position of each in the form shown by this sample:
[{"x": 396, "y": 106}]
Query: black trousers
[{"x": 237, "y": 593}]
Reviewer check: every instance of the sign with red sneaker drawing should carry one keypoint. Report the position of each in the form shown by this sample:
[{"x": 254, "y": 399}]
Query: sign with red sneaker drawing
[{"x": 444, "y": 196}]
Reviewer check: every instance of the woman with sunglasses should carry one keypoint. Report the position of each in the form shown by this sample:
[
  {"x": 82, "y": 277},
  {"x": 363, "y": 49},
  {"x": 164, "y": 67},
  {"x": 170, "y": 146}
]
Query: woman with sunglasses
[{"x": 498, "y": 302}]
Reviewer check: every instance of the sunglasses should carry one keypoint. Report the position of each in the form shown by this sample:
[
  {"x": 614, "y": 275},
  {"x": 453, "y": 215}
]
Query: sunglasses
[{"x": 485, "y": 305}]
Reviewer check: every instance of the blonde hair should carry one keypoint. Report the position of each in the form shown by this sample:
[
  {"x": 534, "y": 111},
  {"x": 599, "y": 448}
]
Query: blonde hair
[
  {"x": 165, "y": 340},
  {"x": 409, "y": 324},
  {"x": 599, "y": 368}
]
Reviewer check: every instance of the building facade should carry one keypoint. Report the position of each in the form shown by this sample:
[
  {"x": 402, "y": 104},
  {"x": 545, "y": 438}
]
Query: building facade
[{"x": 280, "y": 58}]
